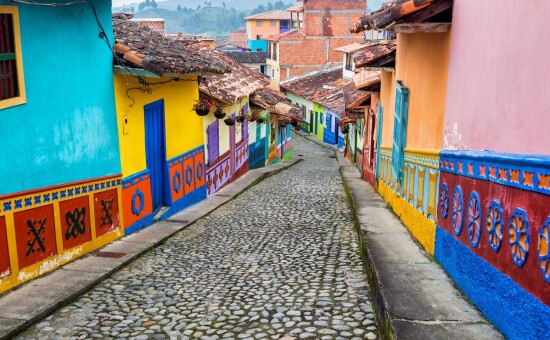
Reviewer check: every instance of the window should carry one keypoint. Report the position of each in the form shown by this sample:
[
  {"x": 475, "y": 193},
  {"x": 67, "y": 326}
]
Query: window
[
  {"x": 213, "y": 142},
  {"x": 274, "y": 51},
  {"x": 321, "y": 117},
  {"x": 12, "y": 89},
  {"x": 273, "y": 23},
  {"x": 399, "y": 130},
  {"x": 304, "y": 112},
  {"x": 259, "y": 37},
  {"x": 259, "y": 23},
  {"x": 262, "y": 69},
  {"x": 349, "y": 62}
]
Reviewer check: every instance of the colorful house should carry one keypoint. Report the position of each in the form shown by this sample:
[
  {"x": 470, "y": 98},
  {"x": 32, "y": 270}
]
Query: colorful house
[
  {"x": 493, "y": 224},
  {"x": 281, "y": 116},
  {"x": 368, "y": 62},
  {"x": 262, "y": 25},
  {"x": 324, "y": 89},
  {"x": 161, "y": 137},
  {"x": 486, "y": 193},
  {"x": 61, "y": 179},
  {"x": 226, "y": 138}
]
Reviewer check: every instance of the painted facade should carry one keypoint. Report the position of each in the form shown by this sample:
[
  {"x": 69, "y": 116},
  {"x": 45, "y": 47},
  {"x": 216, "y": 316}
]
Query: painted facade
[
  {"x": 473, "y": 185},
  {"x": 166, "y": 114},
  {"x": 258, "y": 141},
  {"x": 330, "y": 127},
  {"x": 493, "y": 220},
  {"x": 61, "y": 182},
  {"x": 413, "y": 103},
  {"x": 307, "y": 110},
  {"x": 260, "y": 26},
  {"x": 370, "y": 145},
  {"x": 318, "y": 121},
  {"x": 226, "y": 148}
]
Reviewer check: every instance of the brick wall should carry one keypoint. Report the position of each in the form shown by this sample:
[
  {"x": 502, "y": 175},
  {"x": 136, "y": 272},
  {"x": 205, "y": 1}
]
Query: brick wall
[
  {"x": 327, "y": 26},
  {"x": 335, "y": 4}
]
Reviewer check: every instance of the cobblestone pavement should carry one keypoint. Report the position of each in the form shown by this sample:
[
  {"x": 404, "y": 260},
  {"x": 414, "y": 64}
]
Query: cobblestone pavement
[{"x": 281, "y": 260}]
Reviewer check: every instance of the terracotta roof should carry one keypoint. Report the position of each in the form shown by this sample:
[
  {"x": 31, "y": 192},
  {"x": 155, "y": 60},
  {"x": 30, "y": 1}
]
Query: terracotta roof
[
  {"x": 367, "y": 80},
  {"x": 357, "y": 46},
  {"x": 296, "y": 8},
  {"x": 400, "y": 11},
  {"x": 375, "y": 52},
  {"x": 275, "y": 101},
  {"x": 230, "y": 87},
  {"x": 141, "y": 47},
  {"x": 276, "y": 14},
  {"x": 324, "y": 87},
  {"x": 248, "y": 57},
  {"x": 290, "y": 35}
]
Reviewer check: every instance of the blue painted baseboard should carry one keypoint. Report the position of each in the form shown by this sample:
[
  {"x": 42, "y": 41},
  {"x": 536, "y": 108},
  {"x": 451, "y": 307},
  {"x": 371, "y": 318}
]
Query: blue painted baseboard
[
  {"x": 142, "y": 223},
  {"x": 515, "y": 312}
]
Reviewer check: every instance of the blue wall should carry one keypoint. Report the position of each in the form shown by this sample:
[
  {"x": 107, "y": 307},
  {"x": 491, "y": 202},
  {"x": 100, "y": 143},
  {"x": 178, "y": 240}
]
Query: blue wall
[
  {"x": 257, "y": 154},
  {"x": 518, "y": 316},
  {"x": 254, "y": 45},
  {"x": 67, "y": 130}
]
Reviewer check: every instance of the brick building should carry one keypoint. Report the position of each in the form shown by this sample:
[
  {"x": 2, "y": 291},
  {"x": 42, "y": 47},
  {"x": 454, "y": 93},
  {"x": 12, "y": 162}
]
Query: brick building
[
  {"x": 238, "y": 37},
  {"x": 326, "y": 26}
]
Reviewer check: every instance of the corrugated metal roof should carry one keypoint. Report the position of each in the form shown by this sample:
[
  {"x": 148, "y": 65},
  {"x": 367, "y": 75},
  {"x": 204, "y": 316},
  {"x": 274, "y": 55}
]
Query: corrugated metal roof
[{"x": 248, "y": 57}]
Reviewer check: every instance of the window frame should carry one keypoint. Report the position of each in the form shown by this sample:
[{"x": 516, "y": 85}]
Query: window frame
[
  {"x": 259, "y": 23},
  {"x": 22, "y": 98},
  {"x": 273, "y": 23}
]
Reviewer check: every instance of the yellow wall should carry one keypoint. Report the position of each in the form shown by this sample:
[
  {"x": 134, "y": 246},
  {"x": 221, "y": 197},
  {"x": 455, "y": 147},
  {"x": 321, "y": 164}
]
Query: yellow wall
[
  {"x": 422, "y": 65},
  {"x": 184, "y": 130},
  {"x": 387, "y": 97}
]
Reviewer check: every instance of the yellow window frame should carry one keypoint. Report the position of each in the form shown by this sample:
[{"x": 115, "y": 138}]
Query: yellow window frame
[{"x": 22, "y": 98}]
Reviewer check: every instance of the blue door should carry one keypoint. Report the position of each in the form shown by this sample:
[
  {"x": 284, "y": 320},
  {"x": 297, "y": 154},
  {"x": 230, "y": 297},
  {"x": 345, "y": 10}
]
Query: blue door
[{"x": 155, "y": 152}]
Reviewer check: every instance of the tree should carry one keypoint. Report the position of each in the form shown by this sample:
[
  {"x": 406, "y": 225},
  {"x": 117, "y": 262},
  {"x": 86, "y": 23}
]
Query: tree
[
  {"x": 141, "y": 6},
  {"x": 147, "y": 3},
  {"x": 179, "y": 9},
  {"x": 269, "y": 6},
  {"x": 132, "y": 9},
  {"x": 154, "y": 4}
]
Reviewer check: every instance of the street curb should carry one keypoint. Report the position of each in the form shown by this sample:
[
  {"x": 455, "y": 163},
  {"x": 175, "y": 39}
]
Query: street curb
[
  {"x": 404, "y": 308},
  {"x": 11, "y": 326}
]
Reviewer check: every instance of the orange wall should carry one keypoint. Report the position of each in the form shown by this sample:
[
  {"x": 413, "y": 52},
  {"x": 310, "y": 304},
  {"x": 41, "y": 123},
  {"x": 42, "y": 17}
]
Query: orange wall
[
  {"x": 422, "y": 65},
  {"x": 387, "y": 97},
  {"x": 265, "y": 30}
]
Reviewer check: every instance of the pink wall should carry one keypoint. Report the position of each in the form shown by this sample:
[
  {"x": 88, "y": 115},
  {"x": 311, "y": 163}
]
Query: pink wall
[{"x": 498, "y": 94}]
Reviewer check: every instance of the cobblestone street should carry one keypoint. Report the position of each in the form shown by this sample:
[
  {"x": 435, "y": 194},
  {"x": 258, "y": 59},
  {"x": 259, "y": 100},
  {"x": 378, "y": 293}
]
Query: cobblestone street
[{"x": 279, "y": 260}]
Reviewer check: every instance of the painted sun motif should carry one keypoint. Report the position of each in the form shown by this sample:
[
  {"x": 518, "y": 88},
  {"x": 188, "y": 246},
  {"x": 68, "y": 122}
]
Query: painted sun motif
[
  {"x": 474, "y": 219},
  {"x": 544, "y": 253},
  {"x": 457, "y": 214},
  {"x": 519, "y": 236},
  {"x": 494, "y": 225}
]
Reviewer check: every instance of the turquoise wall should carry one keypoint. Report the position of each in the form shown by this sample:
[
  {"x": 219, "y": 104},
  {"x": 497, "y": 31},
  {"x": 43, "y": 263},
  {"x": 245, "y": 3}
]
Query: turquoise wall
[
  {"x": 67, "y": 130},
  {"x": 255, "y": 45}
]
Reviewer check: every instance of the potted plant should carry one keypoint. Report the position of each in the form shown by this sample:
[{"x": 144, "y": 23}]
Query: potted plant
[
  {"x": 259, "y": 120},
  {"x": 218, "y": 113},
  {"x": 294, "y": 123},
  {"x": 229, "y": 121},
  {"x": 345, "y": 129},
  {"x": 202, "y": 106},
  {"x": 240, "y": 119}
]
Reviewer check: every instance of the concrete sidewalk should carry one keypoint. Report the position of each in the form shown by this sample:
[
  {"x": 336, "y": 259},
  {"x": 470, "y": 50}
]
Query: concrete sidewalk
[
  {"x": 38, "y": 298},
  {"x": 413, "y": 296}
]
